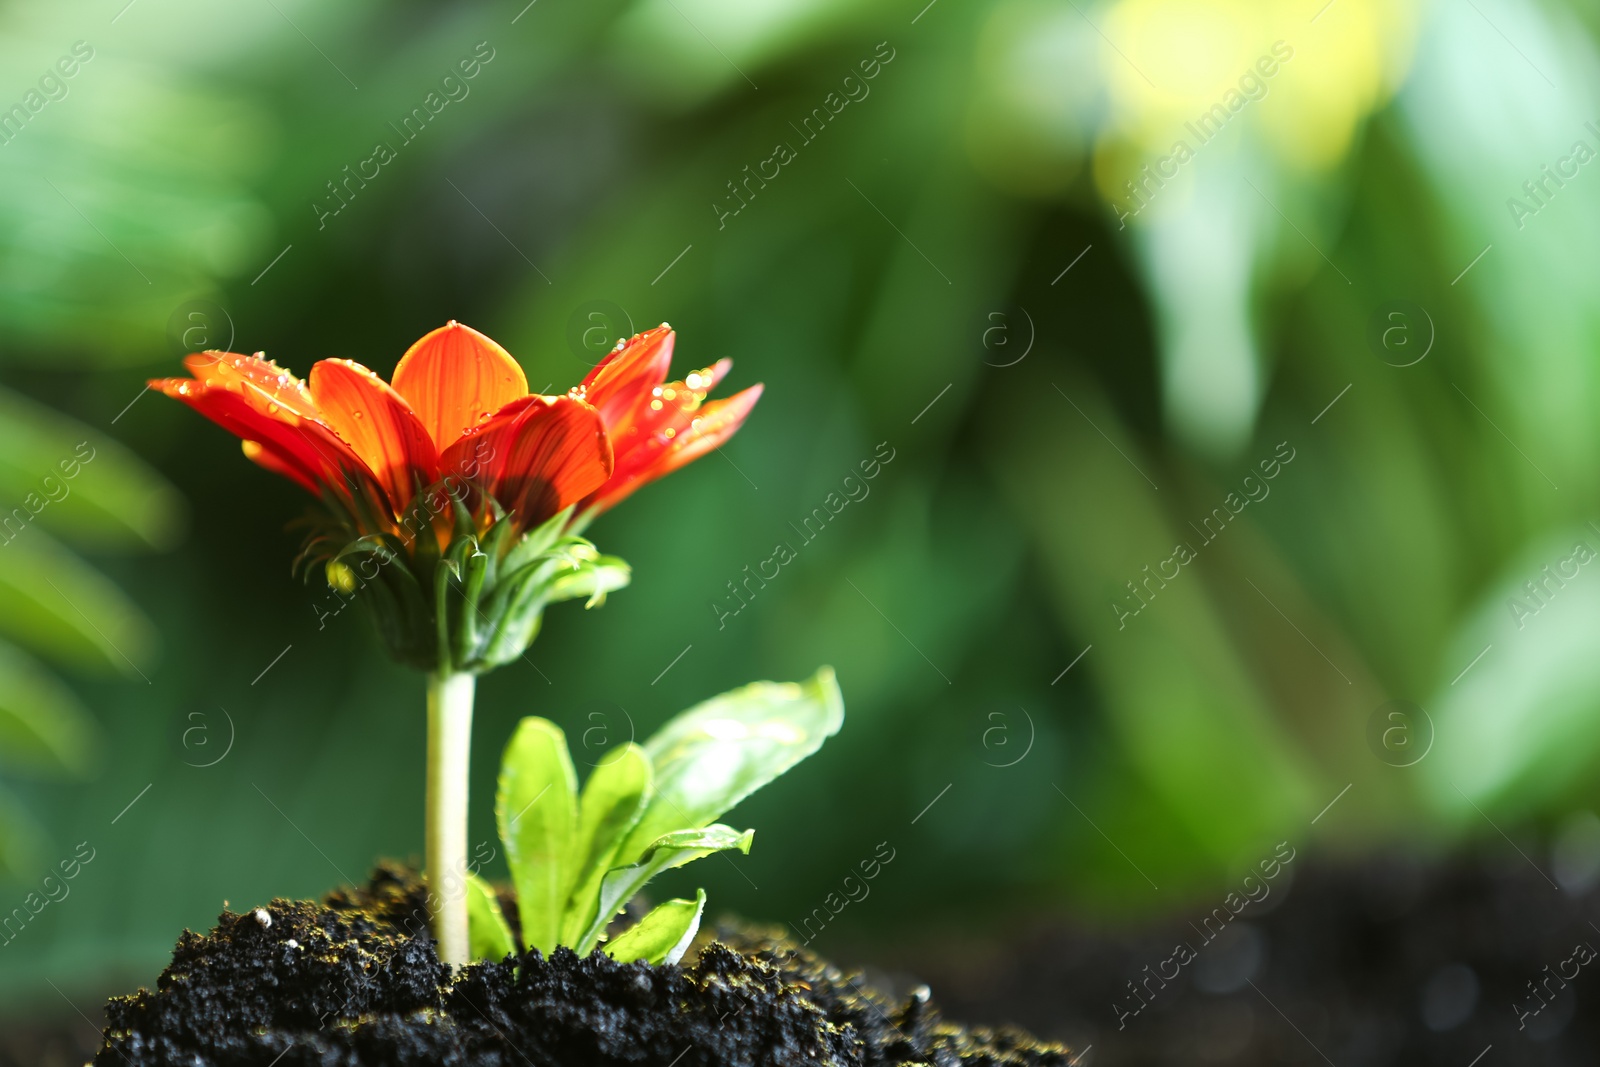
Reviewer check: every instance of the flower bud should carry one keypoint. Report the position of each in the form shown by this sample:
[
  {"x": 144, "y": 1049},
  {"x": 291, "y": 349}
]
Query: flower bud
[{"x": 341, "y": 579}]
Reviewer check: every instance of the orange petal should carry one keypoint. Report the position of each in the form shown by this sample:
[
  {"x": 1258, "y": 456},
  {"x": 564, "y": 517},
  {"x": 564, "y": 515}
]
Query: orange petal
[
  {"x": 312, "y": 452},
  {"x": 479, "y": 454},
  {"x": 454, "y": 377},
  {"x": 536, "y": 456},
  {"x": 254, "y": 376},
  {"x": 660, "y": 453},
  {"x": 621, "y": 384},
  {"x": 378, "y": 425},
  {"x": 558, "y": 455},
  {"x": 667, "y": 410},
  {"x": 264, "y": 456}
]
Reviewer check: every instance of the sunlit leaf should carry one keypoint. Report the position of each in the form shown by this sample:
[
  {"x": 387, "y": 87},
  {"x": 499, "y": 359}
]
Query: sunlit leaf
[
  {"x": 613, "y": 799},
  {"x": 666, "y": 852},
  {"x": 662, "y": 936},
  {"x": 488, "y": 934},
  {"x": 536, "y": 811},
  {"x": 1516, "y": 729},
  {"x": 718, "y": 752}
]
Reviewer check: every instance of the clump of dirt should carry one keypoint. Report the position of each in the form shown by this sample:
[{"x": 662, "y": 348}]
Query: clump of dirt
[{"x": 356, "y": 982}]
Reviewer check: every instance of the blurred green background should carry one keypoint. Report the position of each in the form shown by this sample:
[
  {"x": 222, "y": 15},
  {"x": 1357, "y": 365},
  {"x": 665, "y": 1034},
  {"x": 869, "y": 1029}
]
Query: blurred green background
[{"x": 949, "y": 264}]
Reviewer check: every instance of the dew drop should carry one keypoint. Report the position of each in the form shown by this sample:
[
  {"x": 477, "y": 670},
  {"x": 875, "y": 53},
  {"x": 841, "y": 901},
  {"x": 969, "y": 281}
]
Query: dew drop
[
  {"x": 357, "y": 414},
  {"x": 669, "y": 394},
  {"x": 655, "y": 405},
  {"x": 670, "y": 433}
]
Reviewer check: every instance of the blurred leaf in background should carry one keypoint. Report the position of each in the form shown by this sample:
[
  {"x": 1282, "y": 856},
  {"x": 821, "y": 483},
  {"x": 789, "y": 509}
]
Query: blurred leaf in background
[{"x": 58, "y": 478}]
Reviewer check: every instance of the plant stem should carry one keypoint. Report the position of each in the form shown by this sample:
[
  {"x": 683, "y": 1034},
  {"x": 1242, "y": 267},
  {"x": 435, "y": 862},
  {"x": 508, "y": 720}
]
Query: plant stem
[{"x": 449, "y": 758}]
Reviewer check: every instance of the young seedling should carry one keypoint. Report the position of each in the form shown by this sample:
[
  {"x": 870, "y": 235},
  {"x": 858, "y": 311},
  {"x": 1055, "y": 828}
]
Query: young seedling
[
  {"x": 452, "y": 504},
  {"x": 577, "y": 859}
]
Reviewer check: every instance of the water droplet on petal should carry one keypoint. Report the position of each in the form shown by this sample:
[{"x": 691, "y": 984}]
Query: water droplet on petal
[{"x": 655, "y": 405}]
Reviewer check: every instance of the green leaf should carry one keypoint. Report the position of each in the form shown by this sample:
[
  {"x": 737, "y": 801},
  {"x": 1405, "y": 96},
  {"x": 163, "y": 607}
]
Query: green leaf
[
  {"x": 64, "y": 609},
  {"x": 87, "y": 488},
  {"x": 664, "y": 935},
  {"x": 613, "y": 800},
  {"x": 666, "y": 852},
  {"x": 1516, "y": 733},
  {"x": 488, "y": 934},
  {"x": 719, "y": 752},
  {"x": 536, "y": 810},
  {"x": 42, "y": 725},
  {"x": 22, "y": 840}
]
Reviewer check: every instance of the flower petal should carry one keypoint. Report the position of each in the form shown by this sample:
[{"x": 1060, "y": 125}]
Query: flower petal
[
  {"x": 620, "y": 386},
  {"x": 536, "y": 456},
  {"x": 453, "y": 377},
  {"x": 378, "y": 425},
  {"x": 669, "y": 447},
  {"x": 478, "y": 455},
  {"x": 263, "y": 456},
  {"x": 256, "y": 377},
  {"x": 286, "y": 442}
]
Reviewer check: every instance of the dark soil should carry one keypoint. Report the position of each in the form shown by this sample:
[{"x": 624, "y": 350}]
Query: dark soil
[{"x": 348, "y": 984}]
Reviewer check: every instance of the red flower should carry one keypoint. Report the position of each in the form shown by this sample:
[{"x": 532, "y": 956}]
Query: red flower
[{"x": 459, "y": 407}]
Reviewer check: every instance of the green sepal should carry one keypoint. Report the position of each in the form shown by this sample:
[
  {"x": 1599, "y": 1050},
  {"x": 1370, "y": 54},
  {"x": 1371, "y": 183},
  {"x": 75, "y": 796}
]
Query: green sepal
[
  {"x": 465, "y": 634},
  {"x": 472, "y": 604},
  {"x": 537, "y": 541},
  {"x": 591, "y": 580}
]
